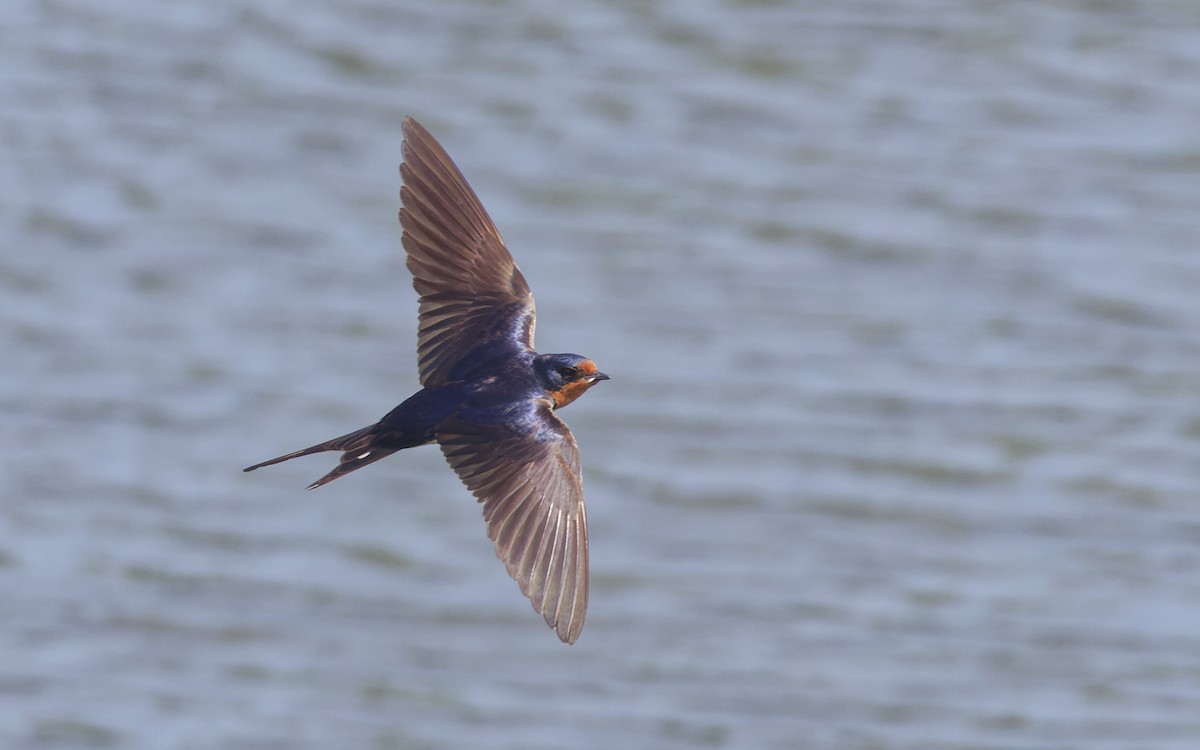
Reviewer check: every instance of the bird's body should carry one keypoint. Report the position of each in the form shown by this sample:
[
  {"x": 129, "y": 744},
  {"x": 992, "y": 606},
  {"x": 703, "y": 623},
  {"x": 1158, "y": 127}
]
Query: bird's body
[{"x": 488, "y": 399}]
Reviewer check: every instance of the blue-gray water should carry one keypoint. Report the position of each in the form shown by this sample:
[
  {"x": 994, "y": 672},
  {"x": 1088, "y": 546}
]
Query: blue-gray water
[{"x": 901, "y": 301}]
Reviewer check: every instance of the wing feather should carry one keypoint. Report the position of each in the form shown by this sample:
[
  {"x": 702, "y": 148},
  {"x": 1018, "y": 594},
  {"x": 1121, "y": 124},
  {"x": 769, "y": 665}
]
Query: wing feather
[
  {"x": 530, "y": 484},
  {"x": 474, "y": 302}
]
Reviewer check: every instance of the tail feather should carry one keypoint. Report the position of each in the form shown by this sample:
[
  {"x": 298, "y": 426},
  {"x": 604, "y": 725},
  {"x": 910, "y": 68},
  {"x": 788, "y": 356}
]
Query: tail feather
[
  {"x": 352, "y": 441},
  {"x": 357, "y": 453},
  {"x": 351, "y": 460}
]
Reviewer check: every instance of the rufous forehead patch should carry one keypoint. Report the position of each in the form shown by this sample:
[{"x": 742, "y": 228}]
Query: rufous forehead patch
[{"x": 587, "y": 367}]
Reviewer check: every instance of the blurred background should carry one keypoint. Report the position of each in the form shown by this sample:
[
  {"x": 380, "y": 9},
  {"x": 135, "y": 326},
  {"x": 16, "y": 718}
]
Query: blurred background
[{"x": 900, "y": 301}]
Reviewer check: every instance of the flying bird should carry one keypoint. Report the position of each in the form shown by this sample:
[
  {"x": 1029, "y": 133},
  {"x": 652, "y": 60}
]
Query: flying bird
[{"x": 487, "y": 398}]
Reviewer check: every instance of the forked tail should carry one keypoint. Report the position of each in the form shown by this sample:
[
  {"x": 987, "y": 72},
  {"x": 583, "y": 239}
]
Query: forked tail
[{"x": 357, "y": 452}]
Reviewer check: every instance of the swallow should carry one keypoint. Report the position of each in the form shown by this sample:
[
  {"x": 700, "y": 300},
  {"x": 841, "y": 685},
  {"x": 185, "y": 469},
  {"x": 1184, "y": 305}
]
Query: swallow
[{"x": 487, "y": 398}]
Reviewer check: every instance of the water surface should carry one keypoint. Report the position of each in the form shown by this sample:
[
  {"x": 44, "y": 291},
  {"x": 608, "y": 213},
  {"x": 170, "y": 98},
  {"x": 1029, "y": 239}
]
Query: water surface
[{"x": 900, "y": 302}]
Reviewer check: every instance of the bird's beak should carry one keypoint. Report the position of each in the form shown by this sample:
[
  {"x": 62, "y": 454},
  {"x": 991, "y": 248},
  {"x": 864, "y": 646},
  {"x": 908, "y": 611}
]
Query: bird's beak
[{"x": 597, "y": 376}]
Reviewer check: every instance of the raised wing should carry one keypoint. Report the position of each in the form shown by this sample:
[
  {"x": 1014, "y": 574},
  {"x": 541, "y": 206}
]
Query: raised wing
[
  {"x": 525, "y": 470},
  {"x": 475, "y": 304}
]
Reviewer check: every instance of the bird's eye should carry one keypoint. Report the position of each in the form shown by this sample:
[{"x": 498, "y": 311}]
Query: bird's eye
[{"x": 566, "y": 372}]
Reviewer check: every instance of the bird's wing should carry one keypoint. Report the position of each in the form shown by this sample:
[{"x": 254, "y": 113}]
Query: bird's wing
[
  {"x": 475, "y": 304},
  {"x": 524, "y": 467}
]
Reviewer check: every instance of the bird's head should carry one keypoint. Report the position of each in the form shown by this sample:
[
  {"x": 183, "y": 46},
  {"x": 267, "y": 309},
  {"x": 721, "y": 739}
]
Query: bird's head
[{"x": 567, "y": 376}]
